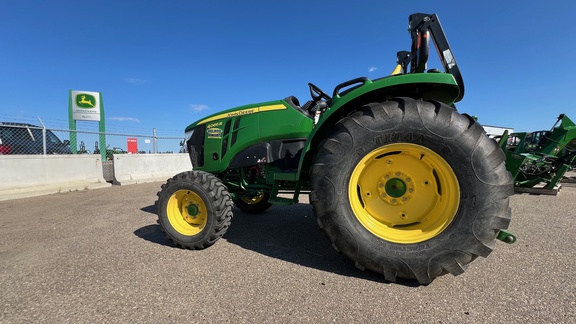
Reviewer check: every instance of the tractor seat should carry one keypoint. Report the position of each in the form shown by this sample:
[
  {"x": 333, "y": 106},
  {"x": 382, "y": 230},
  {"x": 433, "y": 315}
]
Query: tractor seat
[{"x": 295, "y": 103}]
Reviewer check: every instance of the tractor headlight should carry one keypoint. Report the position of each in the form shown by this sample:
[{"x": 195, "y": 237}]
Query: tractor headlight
[{"x": 188, "y": 135}]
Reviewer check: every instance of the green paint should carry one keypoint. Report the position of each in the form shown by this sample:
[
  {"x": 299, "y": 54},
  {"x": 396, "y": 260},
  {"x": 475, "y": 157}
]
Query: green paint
[
  {"x": 395, "y": 188},
  {"x": 84, "y": 100},
  {"x": 193, "y": 210}
]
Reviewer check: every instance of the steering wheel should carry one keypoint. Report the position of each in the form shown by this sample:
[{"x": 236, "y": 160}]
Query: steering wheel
[{"x": 317, "y": 94}]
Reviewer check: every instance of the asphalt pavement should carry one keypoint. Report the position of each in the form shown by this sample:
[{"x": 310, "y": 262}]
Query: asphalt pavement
[{"x": 98, "y": 256}]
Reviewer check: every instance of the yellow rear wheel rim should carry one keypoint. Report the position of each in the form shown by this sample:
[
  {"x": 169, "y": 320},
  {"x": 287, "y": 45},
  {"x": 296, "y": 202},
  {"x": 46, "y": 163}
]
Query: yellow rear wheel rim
[
  {"x": 253, "y": 200},
  {"x": 187, "y": 212},
  {"x": 404, "y": 193}
]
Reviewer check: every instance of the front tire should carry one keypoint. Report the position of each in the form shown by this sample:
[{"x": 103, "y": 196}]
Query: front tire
[
  {"x": 194, "y": 209},
  {"x": 411, "y": 189}
]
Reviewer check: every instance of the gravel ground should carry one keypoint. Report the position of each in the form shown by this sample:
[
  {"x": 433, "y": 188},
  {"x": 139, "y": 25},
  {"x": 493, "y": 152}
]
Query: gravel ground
[{"x": 98, "y": 256}]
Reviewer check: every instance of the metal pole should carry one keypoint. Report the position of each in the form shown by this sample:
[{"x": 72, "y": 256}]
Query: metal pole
[
  {"x": 155, "y": 141},
  {"x": 43, "y": 136}
]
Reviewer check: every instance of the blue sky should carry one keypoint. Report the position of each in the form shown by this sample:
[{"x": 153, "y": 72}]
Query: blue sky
[{"x": 165, "y": 64}]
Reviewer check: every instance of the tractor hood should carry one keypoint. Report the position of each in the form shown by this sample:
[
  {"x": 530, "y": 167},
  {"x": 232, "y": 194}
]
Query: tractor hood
[{"x": 240, "y": 111}]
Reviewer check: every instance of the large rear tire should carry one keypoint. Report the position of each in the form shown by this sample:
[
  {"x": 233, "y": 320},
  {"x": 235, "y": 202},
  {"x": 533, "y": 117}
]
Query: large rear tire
[
  {"x": 194, "y": 209},
  {"x": 411, "y": 189}
]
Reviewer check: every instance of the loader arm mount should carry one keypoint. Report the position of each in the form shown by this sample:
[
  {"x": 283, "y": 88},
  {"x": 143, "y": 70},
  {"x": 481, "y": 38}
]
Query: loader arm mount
[{"x": 422, "y": 27}]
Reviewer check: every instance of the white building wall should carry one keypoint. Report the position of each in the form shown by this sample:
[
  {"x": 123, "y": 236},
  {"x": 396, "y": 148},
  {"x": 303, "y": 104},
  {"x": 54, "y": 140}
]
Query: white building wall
[{"x": 493, "y": 131}]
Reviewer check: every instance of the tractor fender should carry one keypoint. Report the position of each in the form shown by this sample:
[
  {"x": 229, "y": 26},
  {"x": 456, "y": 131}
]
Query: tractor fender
[{"x": 427, "y": 86}]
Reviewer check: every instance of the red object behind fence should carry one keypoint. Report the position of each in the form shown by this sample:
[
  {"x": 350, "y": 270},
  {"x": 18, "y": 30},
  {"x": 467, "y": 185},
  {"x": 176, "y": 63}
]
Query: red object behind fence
[{"x": 132, "y": 144}]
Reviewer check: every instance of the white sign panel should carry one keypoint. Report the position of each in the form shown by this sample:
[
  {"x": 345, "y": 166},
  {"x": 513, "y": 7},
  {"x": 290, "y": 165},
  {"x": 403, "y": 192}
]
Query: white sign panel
[{"x": 85, "y": 105}]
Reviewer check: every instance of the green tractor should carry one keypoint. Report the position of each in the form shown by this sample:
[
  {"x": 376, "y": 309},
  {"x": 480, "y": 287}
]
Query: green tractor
[
  {"x": 400, "y": 182},
  {"x": 541, "y": 157}
]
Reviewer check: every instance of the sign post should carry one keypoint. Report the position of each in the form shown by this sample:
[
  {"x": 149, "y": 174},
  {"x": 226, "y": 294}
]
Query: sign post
[{"x": 89, "y": 106}]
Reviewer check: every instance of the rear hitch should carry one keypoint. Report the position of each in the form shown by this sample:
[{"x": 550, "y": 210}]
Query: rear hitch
[{"x": 506, "y": 237}]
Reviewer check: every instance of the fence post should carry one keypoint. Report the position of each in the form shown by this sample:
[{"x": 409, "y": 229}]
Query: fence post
[
  {"x": 155, "y": 141},
  {"x": 43, "y": 136},
  {"x": 44, "y": 140}
]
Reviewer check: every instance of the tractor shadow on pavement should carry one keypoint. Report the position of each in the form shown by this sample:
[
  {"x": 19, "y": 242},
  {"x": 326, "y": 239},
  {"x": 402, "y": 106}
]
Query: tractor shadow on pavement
[
  {"x": 288, "y": 233},
  {"x": 152, "y": 233}
]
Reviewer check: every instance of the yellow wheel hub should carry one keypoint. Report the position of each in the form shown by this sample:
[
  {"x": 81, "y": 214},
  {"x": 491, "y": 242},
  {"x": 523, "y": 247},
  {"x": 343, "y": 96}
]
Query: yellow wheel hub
[
  {"x": 404, "y": 193},
  {"x": 187, "y": 212},
  {"x": 254, "y": 199}
]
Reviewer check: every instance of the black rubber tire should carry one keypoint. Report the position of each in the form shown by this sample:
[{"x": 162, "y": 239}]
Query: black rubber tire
[
  {"x": 213, "y": 195},
  {"x": 255, "y": 208},
  {"x": 477, "y": 163}
]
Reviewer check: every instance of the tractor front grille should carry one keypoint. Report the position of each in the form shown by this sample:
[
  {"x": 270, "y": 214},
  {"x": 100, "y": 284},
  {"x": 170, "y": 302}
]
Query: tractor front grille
[{"x": 196, "y": 146}]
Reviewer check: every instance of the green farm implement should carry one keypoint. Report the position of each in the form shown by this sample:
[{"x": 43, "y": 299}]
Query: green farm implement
[
  {"x": 541, "y": 158},
  {"x": 400, "y": 181}
]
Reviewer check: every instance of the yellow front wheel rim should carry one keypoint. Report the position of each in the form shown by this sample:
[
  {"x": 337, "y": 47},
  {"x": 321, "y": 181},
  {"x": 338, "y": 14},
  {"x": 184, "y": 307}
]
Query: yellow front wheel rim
[
  {"x": 404, "y": 193},
  {"x": 187, "y": 212}
]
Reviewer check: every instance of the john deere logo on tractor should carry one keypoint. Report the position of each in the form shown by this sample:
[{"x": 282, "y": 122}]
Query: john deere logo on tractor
[{"x": 84, "y": 100}]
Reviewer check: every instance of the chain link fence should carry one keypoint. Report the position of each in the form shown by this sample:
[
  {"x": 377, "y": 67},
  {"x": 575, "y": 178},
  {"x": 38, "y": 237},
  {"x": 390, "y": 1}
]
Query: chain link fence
[{"x": 24, "y": 138}]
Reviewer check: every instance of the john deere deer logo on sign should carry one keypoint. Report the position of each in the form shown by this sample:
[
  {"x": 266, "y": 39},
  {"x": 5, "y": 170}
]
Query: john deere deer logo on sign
[
  {"x": 85, "y": 105},
  {"x": 85, "y": 100}
]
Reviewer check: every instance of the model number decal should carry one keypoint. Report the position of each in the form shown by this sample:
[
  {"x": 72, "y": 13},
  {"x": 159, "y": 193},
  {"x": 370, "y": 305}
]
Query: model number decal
[
  {"x": 214, "y": 133},
  {"x": 214, "y": 125}
]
